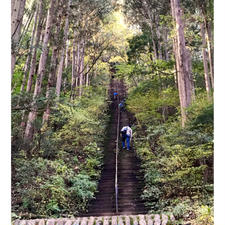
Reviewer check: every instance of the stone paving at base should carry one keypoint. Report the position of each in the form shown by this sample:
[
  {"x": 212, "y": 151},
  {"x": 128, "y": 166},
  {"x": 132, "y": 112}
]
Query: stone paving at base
[{"x": 148, "y": 219}]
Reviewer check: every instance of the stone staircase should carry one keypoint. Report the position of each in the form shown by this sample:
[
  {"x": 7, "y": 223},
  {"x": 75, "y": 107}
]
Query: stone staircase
[
  {"x": 104, "y": 202},
  {"x": 106, "y": 220},
  {"x": 130, "y": 186},
  {"x": 130, "y": 180}
]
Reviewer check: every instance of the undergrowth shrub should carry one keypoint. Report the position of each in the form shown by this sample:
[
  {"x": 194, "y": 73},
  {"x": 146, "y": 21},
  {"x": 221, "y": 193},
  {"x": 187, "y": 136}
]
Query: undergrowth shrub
[
  {"x": 82, "y": 190},
  {"x": 58, "y": 175},
  {"x": 177, "y": 162},
  {"x": 151, "y": 105}
]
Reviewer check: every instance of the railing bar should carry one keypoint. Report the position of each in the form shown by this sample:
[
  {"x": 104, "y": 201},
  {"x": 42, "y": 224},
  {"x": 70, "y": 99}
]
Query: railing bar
[{"x": 117, "y": 149}]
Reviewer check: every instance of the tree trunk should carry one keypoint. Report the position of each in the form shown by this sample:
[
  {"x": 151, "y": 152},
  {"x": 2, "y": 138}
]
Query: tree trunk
[
  {"x": 165, "y": 41},
  {"x": 41, "y": 69},
  {"x": 158, "y": 35},
  {"x": 150, "y": 23},
  {"x": 34, "y": 53},
  {"x": 74, "y": 68},
  {"x": 53, "y": 63},
  {"x": 27, "y": 65},
  {"x": 12, "y": 6},
  {"x": 87, "y": 77},
  {"x": 76, "y": 82},
  {"x": 64, "y": 85},
  {"x": 176, "y": 58},
  {"x": 153, "y": 41},
  {"x": 42, "y": 34},
  {"x": 183, "y": 63},
  {"x": 205, "y": 63},
  {"x": 78, "y": 65},
  {"x": 61, "y": 63},
  {"x": 190, "y": 79},
  {"x": 209, "y": 41},
  {"x": 81, "y": 70},
  {"x": 15, "y": 19},
  {"x": 67, "y": 59},
  {"x": 51, "y": 79},
  {"x": 25, "y": 29},
  {"x": 16, "y": 24},
  {"x": 39, "y": 15}
]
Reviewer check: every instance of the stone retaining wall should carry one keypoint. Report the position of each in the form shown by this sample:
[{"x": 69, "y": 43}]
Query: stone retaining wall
[{"x": 106, "y": 220}]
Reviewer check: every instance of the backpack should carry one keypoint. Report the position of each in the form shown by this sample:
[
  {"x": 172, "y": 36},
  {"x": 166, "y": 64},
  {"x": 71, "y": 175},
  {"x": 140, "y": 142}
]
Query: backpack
[{"x": 124, "y": 132}]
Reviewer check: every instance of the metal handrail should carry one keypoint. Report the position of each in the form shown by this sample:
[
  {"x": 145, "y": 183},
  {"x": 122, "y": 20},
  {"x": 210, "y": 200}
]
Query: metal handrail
[{"x": 117, "y": 149}]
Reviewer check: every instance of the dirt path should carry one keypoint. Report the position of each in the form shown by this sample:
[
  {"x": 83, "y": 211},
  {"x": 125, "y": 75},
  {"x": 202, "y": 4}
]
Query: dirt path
[{"x": 129, "y": 178}]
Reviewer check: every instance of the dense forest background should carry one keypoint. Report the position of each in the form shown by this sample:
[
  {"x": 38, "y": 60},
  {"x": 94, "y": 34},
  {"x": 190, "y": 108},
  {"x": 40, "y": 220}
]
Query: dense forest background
[{"x": 63, "y": 54}]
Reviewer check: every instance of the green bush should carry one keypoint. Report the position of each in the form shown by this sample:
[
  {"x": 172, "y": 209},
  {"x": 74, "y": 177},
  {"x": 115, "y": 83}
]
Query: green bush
[
  {"x": 151, "y": 105},
  {"x": 205, "y": 215},
  {"x": 181, "y": 210},
  {"x": 57, "y": 174},
  {"x": 177, "y": 162},
  {"x": 82, "y": 190}
]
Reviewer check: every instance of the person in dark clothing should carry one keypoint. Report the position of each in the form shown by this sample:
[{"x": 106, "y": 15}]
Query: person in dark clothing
[
  {"x": 115, "y": 94},
  {"x": 121, "y": 106}
]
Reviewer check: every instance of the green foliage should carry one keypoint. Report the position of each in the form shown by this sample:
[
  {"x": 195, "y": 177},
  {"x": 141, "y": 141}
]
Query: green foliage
[
  {"x": 205, "y": 117},
  {"x": 125, "y": 69},
  {"x": 148, "y": 104},
  {"x": 201, "y": 113},
  {"x": 177, "y": 162},
  {"x": 182, "y": 209},
  {"x": 138, "y": 44},
  {"x": 18, "y": 74},
  {"x": 57, "y": 173},
  {"x": 198, "y": 74},
  {"x": 82, "y": 190},
  {"x": 205, "y": 215}
]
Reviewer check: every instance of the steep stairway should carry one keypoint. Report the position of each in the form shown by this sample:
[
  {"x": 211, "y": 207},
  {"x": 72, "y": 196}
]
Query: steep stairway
[
  {"x": 129, "y": 178},
  {"x": 104, "y": 202}
]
